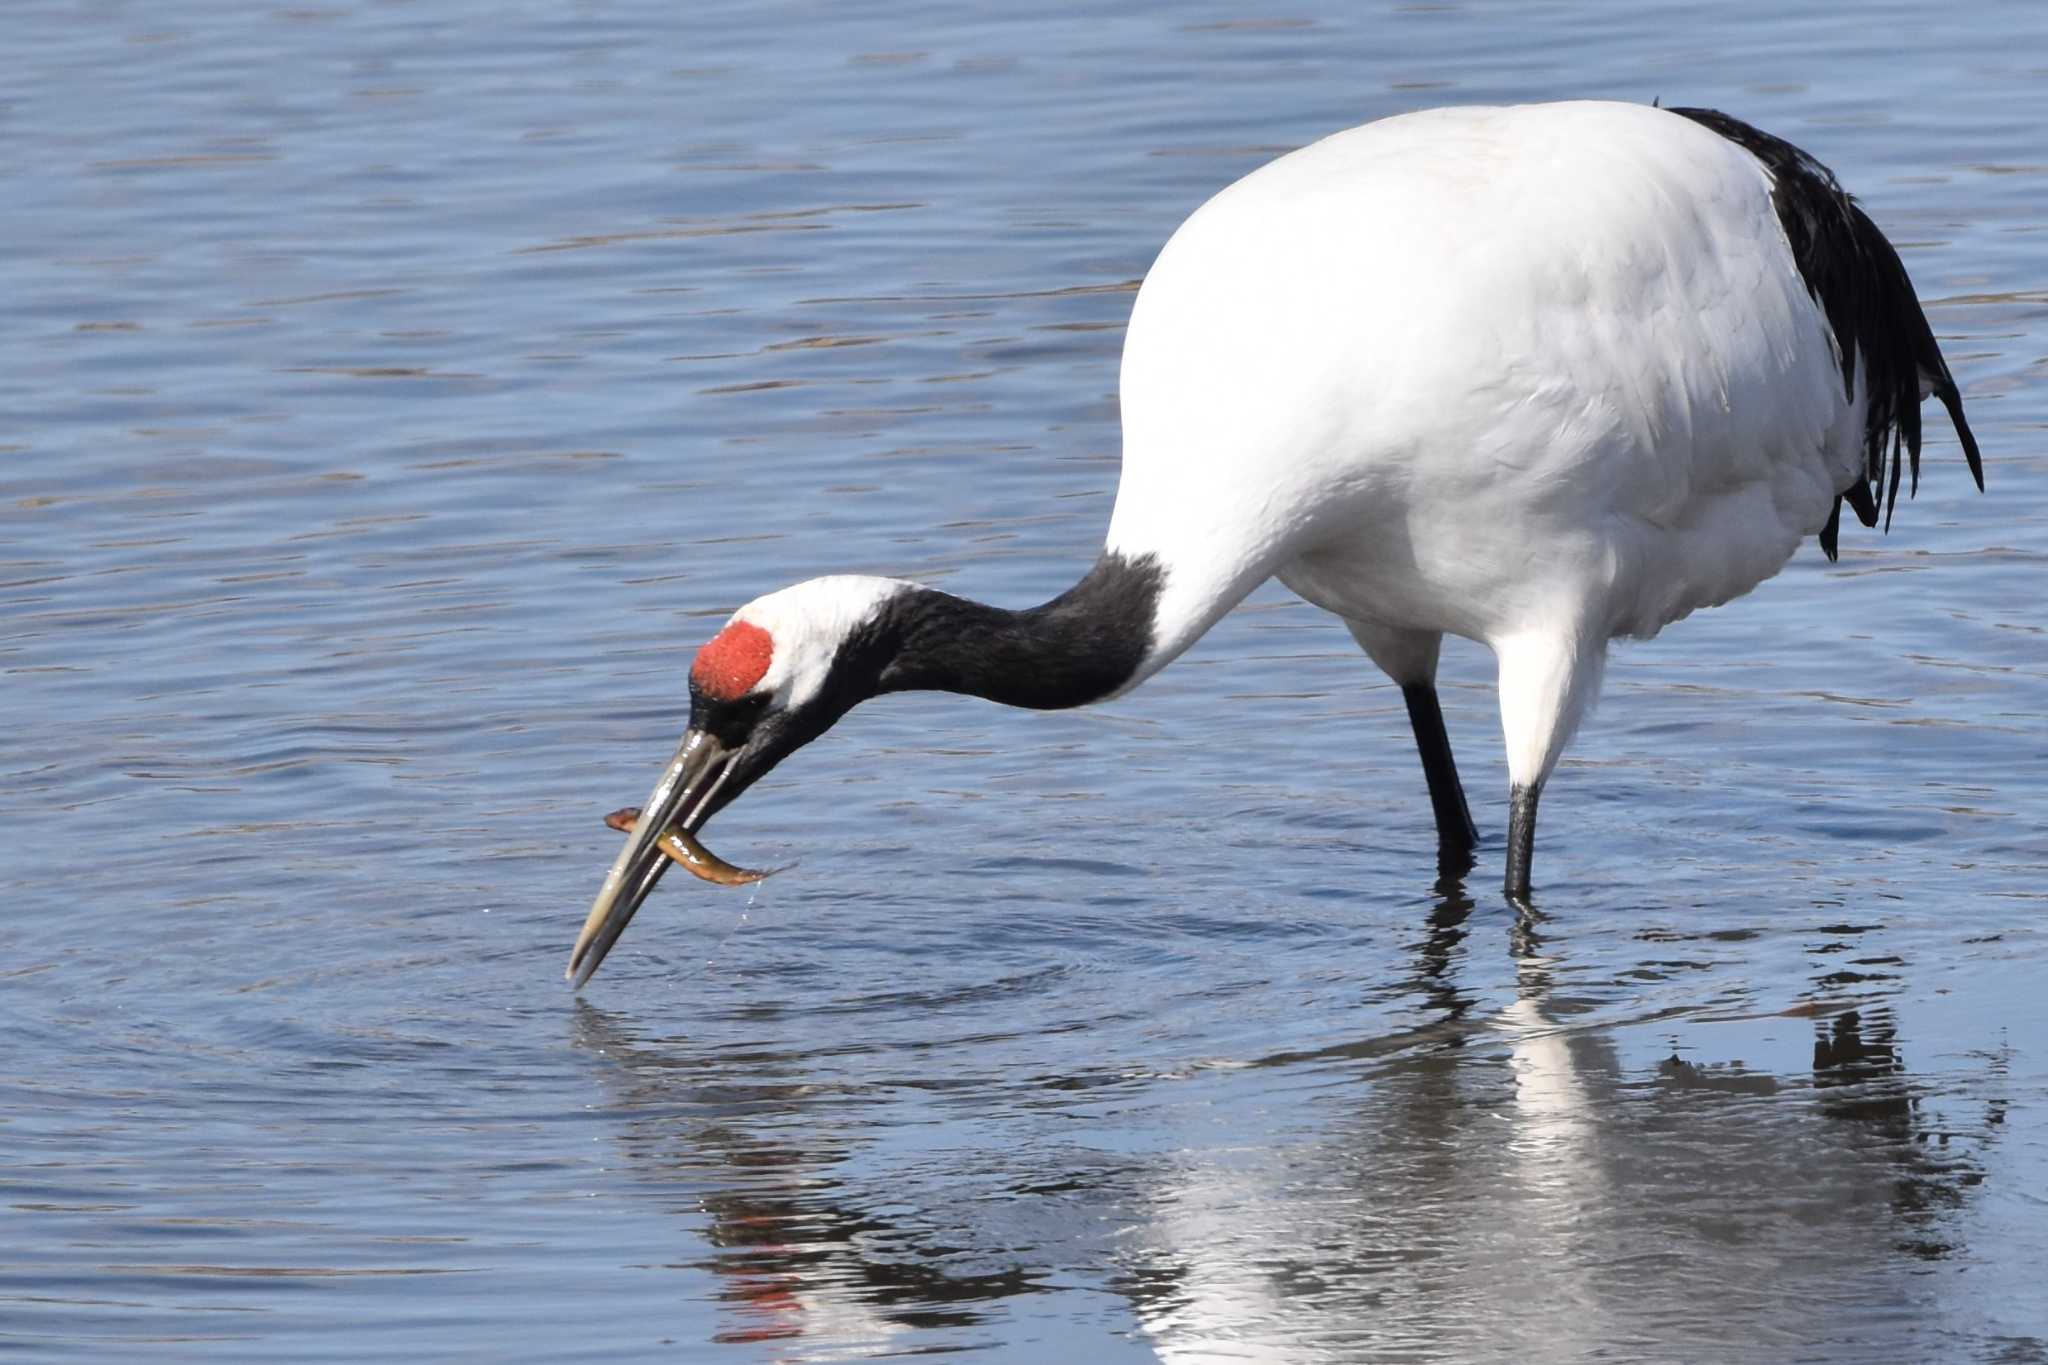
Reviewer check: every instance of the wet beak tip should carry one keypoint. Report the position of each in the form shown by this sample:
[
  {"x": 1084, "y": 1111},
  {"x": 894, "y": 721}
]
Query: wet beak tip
[{"x": 640, "y": 863}]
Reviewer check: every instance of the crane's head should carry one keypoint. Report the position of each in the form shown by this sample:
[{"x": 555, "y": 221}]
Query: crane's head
[{"x": 780, "y": 673}]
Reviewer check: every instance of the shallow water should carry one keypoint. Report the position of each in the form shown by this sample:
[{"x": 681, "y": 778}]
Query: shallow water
[{"x": 394, "y": 394}]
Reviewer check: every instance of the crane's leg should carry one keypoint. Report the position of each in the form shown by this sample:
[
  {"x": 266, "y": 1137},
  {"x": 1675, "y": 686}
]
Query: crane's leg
[
  {"x": 1454, "y": 828},
  {"x": 1409, "y": 658},
  {"x": 1548, "y": 680},
  {"x": 1521, "y": 835}
]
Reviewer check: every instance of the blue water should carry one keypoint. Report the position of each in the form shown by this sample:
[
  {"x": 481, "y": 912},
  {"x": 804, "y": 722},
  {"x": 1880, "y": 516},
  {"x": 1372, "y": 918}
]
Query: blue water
[{"x": 392, "y": 395}]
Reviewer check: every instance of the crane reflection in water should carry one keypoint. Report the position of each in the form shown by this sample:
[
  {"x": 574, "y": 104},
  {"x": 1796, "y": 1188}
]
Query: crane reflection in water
[{"x": 1497, "y": 1150}]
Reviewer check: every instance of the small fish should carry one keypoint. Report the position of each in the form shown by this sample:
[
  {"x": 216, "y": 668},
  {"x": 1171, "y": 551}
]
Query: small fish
[{"x": 681, "y": 845}]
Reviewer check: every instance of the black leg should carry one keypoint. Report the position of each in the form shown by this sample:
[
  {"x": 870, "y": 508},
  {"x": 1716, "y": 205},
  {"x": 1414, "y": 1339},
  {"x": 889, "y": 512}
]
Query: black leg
[
  {"x": 1521, "y": 836},
  {"x": 1454, "y": 828}
]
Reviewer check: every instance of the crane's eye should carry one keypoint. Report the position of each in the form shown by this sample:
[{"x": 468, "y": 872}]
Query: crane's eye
[{"x": 731, "y": 722}]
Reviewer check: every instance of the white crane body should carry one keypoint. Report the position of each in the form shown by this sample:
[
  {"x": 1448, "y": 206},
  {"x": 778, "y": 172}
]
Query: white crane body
[
  {"x": 1541, "y": 377},
  {"x": 1537, "y": 377}
]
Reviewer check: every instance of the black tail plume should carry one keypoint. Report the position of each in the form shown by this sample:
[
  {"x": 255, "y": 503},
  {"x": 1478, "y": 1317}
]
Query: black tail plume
[{"x": 1860, "y": 283}]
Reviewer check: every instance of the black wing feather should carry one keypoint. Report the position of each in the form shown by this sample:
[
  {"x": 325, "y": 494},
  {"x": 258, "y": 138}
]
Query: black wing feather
[{"x": 1862, "y": 287}]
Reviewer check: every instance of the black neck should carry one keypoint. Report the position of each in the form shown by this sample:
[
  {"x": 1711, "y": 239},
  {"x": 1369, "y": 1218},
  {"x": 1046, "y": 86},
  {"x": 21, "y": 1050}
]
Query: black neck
[{"x": 1083, "y": 645}]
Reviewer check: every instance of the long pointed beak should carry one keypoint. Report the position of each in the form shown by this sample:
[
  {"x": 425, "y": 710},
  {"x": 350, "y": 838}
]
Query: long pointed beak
[{"x": 683, "y": 796}]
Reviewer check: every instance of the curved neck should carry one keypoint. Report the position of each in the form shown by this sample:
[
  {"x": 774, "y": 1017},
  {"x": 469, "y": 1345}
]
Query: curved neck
[{"x": 1088, "y": 643}]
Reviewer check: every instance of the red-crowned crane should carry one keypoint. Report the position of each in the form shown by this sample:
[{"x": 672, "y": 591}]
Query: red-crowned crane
[{"x": 1539, "y": 377}]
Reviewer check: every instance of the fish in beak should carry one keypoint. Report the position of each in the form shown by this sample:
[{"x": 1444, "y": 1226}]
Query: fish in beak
[
  {"x": 684, "y": 798},
  {"x": 684, "y": 850}
]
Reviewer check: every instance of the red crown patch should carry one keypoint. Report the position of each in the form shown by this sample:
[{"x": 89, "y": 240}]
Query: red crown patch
[{"x": 727, "y": 668}]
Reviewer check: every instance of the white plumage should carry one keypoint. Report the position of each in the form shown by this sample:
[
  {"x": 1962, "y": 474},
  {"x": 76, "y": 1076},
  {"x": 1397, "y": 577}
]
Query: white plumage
[{"x": 1537, "y": 377}]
